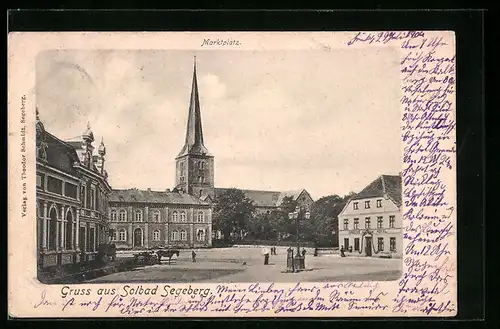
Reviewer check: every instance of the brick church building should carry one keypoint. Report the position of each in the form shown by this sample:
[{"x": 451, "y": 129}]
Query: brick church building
[{"x": 182, "y": 217}]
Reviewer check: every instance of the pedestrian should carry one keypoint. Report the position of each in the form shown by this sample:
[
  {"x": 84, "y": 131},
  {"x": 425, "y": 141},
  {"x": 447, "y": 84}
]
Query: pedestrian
[
  {"x": 315, "y": 251},
  {"x": 342, "y": 254},
  {"x": 265, "y": 252},
  {"x": 193, "y": 256},
  {"x": 303, "y": 253}
]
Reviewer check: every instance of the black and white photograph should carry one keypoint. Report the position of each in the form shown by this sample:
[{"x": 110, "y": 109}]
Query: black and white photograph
[{"x": 181, "y": 166}]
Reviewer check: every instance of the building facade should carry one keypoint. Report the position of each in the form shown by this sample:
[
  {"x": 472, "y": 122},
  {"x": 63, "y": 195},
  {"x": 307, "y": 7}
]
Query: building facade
[
  {"x": 72, "y": 194},
  {"x": 142, "y": 219},
  {"x": 370, "y": 224},
  {"x": 182, "y": 218}
]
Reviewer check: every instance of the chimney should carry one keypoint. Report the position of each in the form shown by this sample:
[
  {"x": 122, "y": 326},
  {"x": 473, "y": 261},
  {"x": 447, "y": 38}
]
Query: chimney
[{"x": 149, "y": 189}]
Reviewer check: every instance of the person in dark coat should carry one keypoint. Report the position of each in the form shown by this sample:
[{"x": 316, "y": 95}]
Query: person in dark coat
[
  {"x": 193, "y": 256},
  {"x": 266, "y": 259},
  {"x": 303, "y": 253},
  {"x": 342, "y": 254}
]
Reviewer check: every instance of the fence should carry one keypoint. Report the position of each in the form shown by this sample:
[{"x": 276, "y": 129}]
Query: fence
[{"x": 281, "y": 243}]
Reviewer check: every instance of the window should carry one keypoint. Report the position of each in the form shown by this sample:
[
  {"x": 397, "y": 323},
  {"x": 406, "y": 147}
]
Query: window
[
  {"x": 123, "y": 215},
  {"x": 367, "y": 204},
  {"x": 355, "y": 205},
  {"x": 380, "y": 243},
  {"x": 114, "y": 235},
  {"x": 199, "y": 217},
  {"x": 92, "y": 198},
  {"x": 356, "y": 244},
  {"x": 183, "y": 216},
  {"x": 346, "y": 224},
  {"x": 379, "y": 203},
  {"x": 113, "y": 215},
  {"x": 156, "y": 216},
  {"x": 183, "y": 235},
  {"x": 380, "y": 222},
  {"x": 54, "y": 185},
  {"x": 175, "y": 216},
  {"x": 175, "y": 235},
  {"x": 122, "y": 235},
  {"x": 200, "y": 235},
  {"x": 39, "y": 181},
  {"x": 392, "y": 221},
  {"x": 393, "y": 244},
  {"x": 138, "y": 216},
  {"x": 83, "y": 196},
  {"x": 356, "y": 223},
  {"x": 367, "y": 222},
  {"x": 156, "y": 235}
]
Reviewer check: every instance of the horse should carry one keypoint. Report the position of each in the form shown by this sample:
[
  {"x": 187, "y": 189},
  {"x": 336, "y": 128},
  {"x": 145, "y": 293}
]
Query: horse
[{"x": 167, "y": 253}]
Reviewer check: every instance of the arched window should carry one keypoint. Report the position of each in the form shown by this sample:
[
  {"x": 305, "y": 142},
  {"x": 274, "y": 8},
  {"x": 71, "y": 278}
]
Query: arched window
[
  {"x": 69, "y": 230},
  {"x": 156, "y": 235},
  {"x": 138, "y": 216},
  {"x": 183, "y": 216},
  {"x": 113, "y": 215},
  {"x": 199, "y": 217},
  {"x": 175, "y": 216},
  {"x": 200, "y": 235},
  {"x": 175, "y": 235},
  {"x": 122, "y": 235},
  {"x": 52, "y": 229},
  {"x": 183, "y": 235},
  {"x": 156, "y": 216},
  {"x": 123, "y": 215}
]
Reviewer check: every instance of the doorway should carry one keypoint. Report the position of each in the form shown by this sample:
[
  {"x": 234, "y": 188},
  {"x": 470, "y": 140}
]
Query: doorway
[
  {"x": 368, "y": 248},
  {"x": 137, "y": 237}
]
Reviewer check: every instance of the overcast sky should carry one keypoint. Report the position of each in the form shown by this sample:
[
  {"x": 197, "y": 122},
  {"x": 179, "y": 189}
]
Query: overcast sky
[{"x": 327, "y": 121}]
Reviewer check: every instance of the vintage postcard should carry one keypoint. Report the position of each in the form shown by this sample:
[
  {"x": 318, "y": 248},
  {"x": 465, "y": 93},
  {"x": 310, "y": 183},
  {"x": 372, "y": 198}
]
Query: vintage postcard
[{"x": 232, "y": 174}]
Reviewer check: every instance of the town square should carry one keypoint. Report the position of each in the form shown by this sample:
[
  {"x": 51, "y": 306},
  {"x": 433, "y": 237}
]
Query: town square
[{"x": 98, "y": 221}]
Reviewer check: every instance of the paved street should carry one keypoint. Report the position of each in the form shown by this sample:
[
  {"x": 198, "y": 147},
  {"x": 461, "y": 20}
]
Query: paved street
[{"x": 247, "y": 265}]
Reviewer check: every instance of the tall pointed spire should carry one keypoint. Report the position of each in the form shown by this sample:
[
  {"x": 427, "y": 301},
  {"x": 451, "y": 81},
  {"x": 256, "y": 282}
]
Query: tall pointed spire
[{"x": 194, "y": 132}]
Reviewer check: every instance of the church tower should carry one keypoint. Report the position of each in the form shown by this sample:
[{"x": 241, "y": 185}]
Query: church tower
[{"x": 194, "y": 173}]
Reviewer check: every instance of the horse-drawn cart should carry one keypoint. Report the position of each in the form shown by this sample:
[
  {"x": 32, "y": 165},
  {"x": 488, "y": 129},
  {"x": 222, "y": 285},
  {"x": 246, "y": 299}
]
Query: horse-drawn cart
[{"x": 145, "y": 258}]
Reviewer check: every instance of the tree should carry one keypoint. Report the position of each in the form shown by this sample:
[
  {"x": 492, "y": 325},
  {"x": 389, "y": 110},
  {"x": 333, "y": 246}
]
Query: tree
[
  {"x": 232, "y": 212},
  {"x": 324, "y": 220}
]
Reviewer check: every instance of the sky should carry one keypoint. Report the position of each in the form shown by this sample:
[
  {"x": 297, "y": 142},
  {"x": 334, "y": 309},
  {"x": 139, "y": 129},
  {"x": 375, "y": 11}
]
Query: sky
[{"x": 324, "y": 120}]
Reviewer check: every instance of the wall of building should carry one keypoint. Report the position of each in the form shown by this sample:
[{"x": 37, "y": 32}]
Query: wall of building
[
  {"x": 379, "y": 209},
  {"x": 177, "y": 225}
]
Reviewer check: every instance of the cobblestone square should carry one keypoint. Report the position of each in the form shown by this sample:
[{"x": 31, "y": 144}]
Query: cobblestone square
[{"x": 247, "y": 265}]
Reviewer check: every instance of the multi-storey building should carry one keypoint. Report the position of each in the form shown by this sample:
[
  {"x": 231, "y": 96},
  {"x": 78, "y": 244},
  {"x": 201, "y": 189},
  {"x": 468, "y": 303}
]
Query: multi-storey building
[
  {"x": 185, "y": 217},
  {"x": 370, "y": 223},
  {"x": 147, "y": 219},
  {"x": 71, "y": 198}
]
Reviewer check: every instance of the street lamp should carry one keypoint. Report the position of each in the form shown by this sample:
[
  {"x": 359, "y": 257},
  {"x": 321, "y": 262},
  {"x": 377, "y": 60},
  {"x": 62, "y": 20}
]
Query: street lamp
[{"x": 298, "y": 215}]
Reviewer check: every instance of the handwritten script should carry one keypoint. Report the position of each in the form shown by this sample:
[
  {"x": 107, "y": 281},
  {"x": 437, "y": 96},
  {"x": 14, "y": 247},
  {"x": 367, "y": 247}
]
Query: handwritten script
[
  {"x": 428, "y": 133},
  {"x": 428, "y": 285}
]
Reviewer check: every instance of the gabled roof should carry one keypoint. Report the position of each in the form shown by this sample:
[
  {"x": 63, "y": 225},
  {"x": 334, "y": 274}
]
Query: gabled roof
[
  {"x": 384, "y": 185},
  {"x": 149, "y": 196},
  {"x": 265, "y": 198}
]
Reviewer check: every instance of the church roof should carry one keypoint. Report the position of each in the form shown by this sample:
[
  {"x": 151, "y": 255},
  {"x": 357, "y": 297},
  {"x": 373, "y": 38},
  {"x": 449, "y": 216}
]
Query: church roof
[
  {"x": 194, "y": 131},
  {"x": 265, "y": 198},
  {"x": 60, "y": 155},
  {"x": 384, "y": 185},
  {"x": 149, "y": 196}
]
